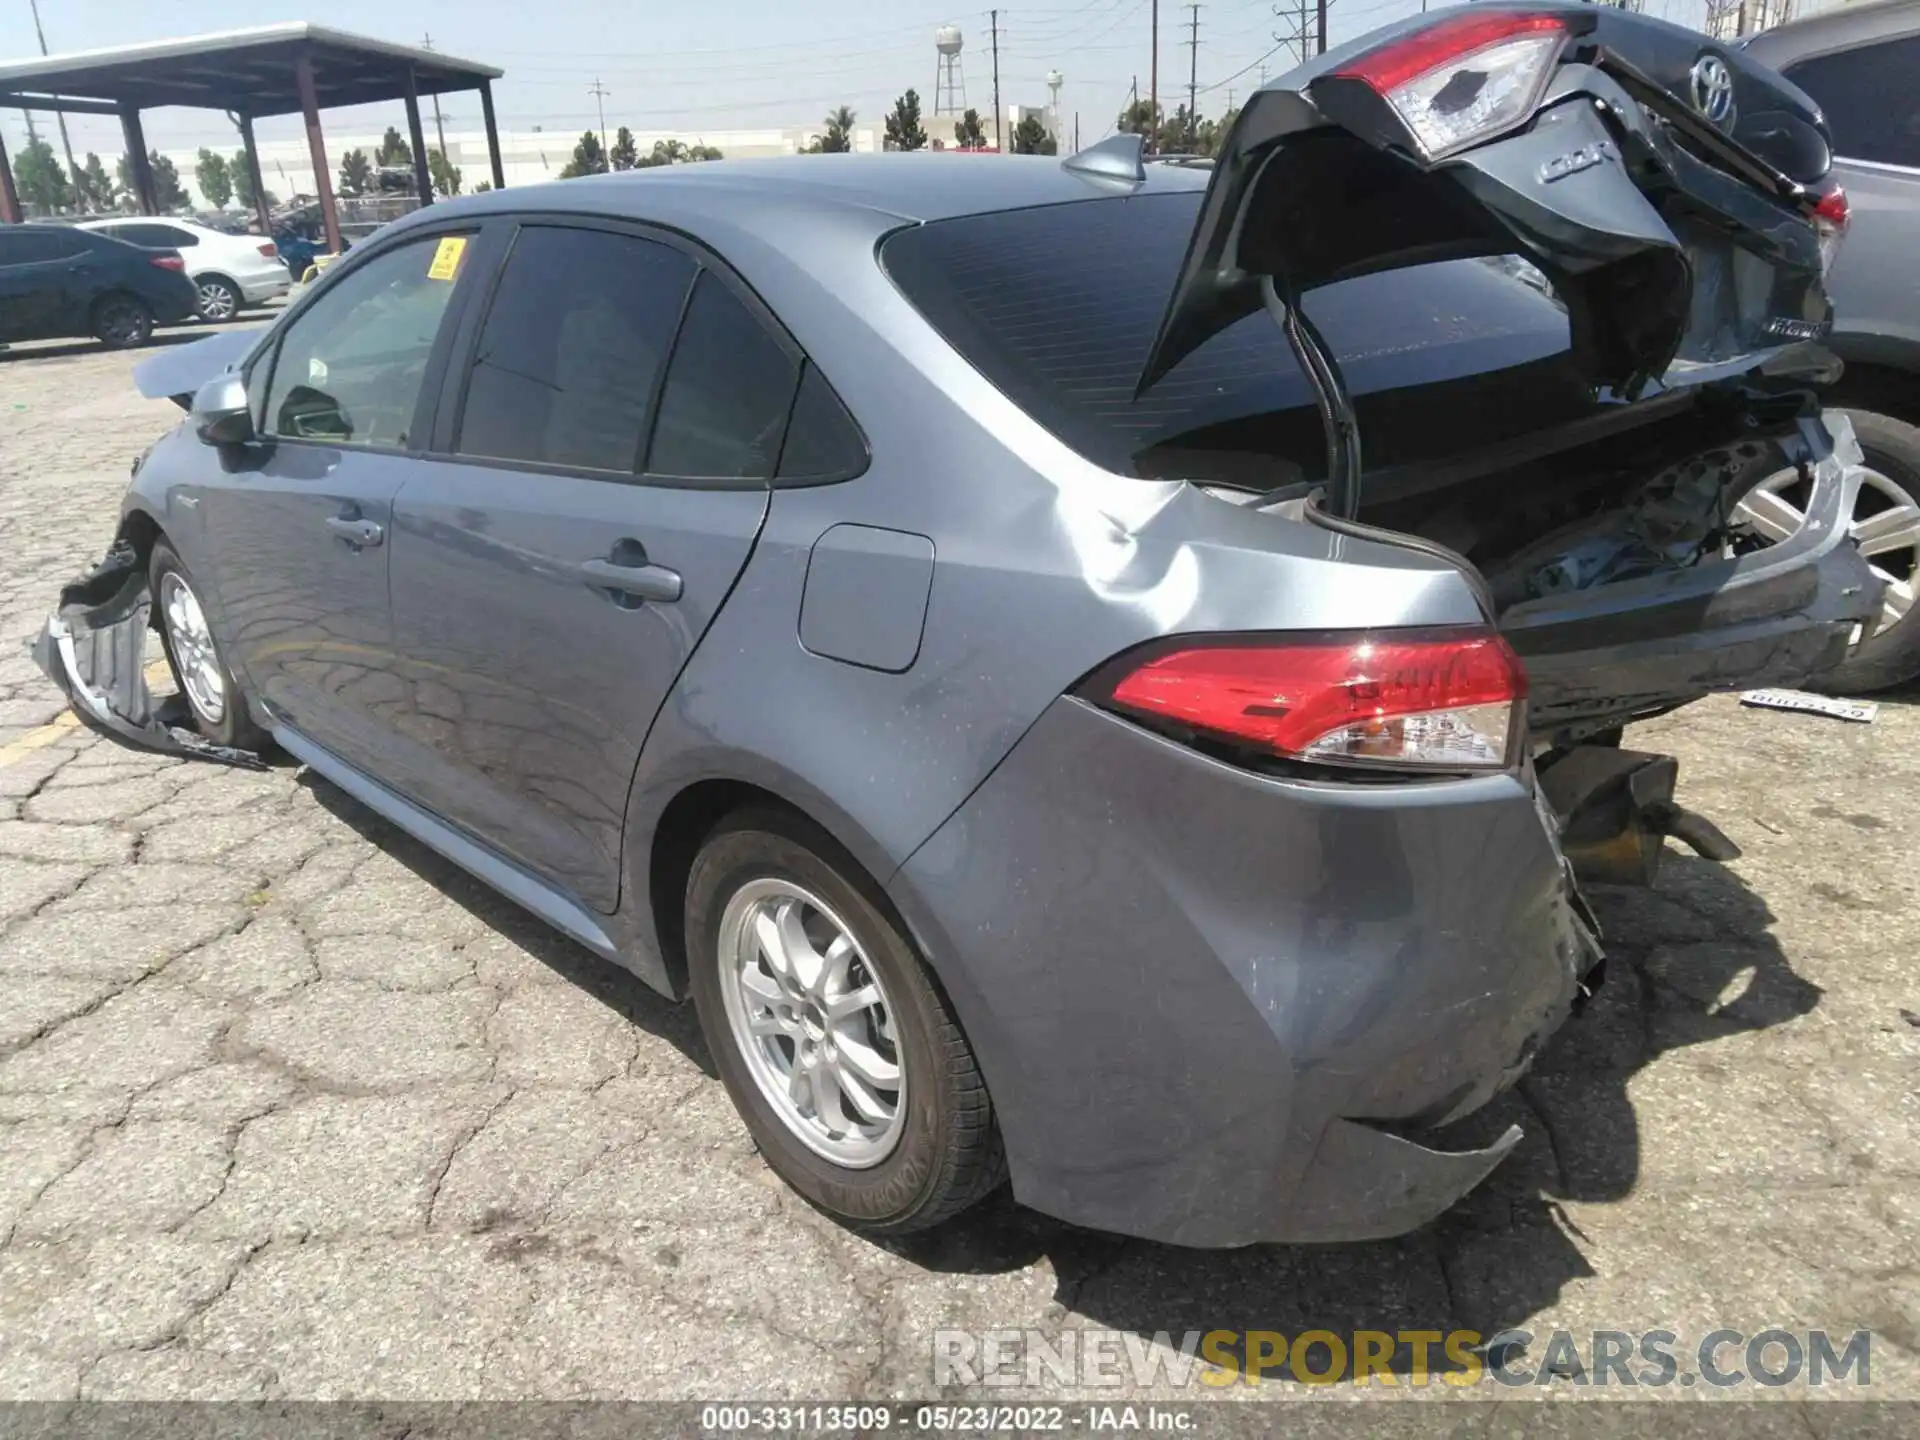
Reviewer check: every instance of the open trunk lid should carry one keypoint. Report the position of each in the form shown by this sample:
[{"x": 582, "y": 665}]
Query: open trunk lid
[{"x": 1667, "y": 185}]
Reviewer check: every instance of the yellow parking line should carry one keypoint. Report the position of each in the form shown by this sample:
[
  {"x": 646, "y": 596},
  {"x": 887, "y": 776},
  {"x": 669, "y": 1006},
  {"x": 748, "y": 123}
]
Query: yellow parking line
[
  {"x": 15, "y": 751},
  {"x": 33, "y": 740}
]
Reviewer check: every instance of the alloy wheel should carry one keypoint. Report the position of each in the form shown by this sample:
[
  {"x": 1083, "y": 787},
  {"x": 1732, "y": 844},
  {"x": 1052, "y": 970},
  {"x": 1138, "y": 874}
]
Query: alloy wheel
[
  {"x": 813, "y": 1022},
  {"x": 120, "y": 323},
  {"x": 192, "y": 644},
  {"x": 1885, "y": 525},
  {"x": 217, "y": 301}
]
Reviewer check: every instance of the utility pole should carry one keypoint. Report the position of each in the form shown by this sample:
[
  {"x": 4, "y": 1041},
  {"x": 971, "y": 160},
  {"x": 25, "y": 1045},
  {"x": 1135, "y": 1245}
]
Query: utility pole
[
  {"x": 1323, "y": 29},
  {"x": 599, "y": 93},
  {"x": 1193, "y": 71},
  {"x": 1153, "y": 82},
  {"x": 995, "y": 20},
  {"x": 60, "y": 115}
]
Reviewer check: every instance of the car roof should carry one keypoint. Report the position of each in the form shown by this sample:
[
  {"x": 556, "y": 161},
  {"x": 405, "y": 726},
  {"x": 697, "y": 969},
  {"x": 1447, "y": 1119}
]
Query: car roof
[
  {"x": 926, "y": 185},
  {"x": 1841, "y": 28}
]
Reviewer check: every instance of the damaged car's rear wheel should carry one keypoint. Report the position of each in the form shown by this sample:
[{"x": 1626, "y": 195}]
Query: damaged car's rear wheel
[
  {"x": 832, "y": 1037},
  {"x": 219, "y": 708},
  {"x": 1886, "y": 526}
]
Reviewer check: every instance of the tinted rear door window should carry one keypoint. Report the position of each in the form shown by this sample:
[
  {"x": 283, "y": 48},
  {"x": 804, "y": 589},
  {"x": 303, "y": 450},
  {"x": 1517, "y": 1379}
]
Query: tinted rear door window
[
  {"x": 728, "y": 392},
  {"x": 1871, "y": 98},
  {"x": 570, "y": 354},
  {"x": 28, "y": 245}
]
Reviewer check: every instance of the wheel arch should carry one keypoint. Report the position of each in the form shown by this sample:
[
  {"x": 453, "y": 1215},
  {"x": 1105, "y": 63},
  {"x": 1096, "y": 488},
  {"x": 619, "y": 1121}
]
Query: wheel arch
[{"x": 671, "y": 830}]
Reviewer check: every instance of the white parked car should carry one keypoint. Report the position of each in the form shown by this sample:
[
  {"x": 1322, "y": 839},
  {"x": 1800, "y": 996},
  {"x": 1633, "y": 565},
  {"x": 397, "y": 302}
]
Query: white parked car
[{"x": 230, "y": 271}]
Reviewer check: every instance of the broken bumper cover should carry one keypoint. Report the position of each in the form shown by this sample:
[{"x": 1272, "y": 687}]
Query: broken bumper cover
[
  {"x": 94, "y": 647},
  {"x": 1212, "y": 1007}
]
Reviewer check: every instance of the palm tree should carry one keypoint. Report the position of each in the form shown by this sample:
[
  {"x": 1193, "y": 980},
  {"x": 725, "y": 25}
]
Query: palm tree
[{"x": 839, "y": 135}]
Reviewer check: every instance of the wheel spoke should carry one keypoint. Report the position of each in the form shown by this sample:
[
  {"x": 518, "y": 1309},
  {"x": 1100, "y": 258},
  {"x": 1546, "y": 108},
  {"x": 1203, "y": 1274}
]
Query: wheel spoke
[
  {"x": 769, "y": 1023},
  {"x": 1770, "y": 514},
  {"x": 1895, "y": 601},
  {"x": 852, "y": 1003},
  {"x": 761, "y": 985},
  {"x": 833, "y": 968},
  {"x": 772, "y": 945},
  {"x": 868, "y": 1063},
  {"x": 800, "y": 1088},
  {"x": 1897, "y": 528},
  {"x": 855, "y": 1090},
  {"x": 804, "y": 961}
]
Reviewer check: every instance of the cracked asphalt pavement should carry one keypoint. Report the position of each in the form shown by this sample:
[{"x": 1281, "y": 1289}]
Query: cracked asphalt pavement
[{"x": 289, "y": 1108}]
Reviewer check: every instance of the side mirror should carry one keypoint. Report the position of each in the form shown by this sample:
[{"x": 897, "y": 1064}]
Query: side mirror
[{"x": 220, "y": 413}]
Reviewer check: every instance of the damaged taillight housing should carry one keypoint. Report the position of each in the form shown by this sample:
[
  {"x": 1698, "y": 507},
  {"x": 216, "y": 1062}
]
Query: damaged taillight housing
[
  {"x": 1464, "y": 78},
  {"x": 1411, "y": 700}
]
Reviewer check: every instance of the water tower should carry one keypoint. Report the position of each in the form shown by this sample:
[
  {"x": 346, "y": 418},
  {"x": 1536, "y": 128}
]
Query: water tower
[
  {"x": 949, "y": 85},
  {"x": 1054, "y": 81}
]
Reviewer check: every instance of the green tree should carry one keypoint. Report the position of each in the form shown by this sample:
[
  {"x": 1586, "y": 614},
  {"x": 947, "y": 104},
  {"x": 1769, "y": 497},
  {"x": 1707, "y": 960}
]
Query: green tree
[
  {"x": 904, "y": 131},
  {"x": 588, "y": 157},
  {"x": 1030, "y": 137},
  {"x": 446, "y": 175},
  {"x": 91, "y": 185},
  {"x": 1142, "y": 117},
  {"x": 969, "y": 133},
  {"x": 837, "y": 138},
  {"x": 168, "y": 193},
  {"x": 41, "y": 180},
  {"x": 356, "y": 173},
  {"x": 211, "y": 174},
  {"x": 665, "y": 152},
  {"x": 482, "y": 187},
  {"x": 393, "y": 150},
  {"x": 704, "y": 152},
  {"x": 243, "y": 183},
  {"x": 623, "y": 154}
]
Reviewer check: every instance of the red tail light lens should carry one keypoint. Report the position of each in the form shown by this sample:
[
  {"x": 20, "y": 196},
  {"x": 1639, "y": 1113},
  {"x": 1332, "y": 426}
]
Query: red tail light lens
[
  {"x": 1432, "y": 700},
  {"x": 170, "y": 262},
  {"x": 1465, "y": 77},
  {"x": 270, "y": 250},
  {"x": 1831, "y": 215}
]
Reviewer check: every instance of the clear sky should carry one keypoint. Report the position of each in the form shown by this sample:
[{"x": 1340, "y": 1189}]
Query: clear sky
[{"x": 723, "y": 64}]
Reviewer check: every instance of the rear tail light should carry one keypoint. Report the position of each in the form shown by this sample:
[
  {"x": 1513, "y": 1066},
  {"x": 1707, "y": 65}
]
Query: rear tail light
[
  {"x": 1464, "y": 78},
  {"x": 1394, "y": 699},
  {"x": 270, "y": 250},
  {"x": 1831, "y": 216},
  {"x": 170, "y": 262}
]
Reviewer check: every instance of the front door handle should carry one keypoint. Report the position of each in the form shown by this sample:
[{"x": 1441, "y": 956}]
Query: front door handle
[
  {"x": 631, "y": 574},
  {"x": 361, "y": 534}
]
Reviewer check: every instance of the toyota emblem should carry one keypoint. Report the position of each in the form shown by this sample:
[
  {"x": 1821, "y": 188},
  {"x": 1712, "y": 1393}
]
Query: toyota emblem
[{"x": 1713, "y": 90}]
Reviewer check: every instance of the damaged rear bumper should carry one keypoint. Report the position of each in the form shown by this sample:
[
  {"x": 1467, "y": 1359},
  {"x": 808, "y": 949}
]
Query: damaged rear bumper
[{"x": 1215, "y": 1007}]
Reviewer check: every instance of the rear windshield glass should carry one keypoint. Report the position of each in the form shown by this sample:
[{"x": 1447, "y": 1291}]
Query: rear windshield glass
[{"x": 1058, "y": 305}]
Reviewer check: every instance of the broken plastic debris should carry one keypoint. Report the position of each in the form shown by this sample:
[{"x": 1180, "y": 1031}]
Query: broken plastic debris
[
  {"x": 1861, "y": 712},
  {"x": 94, "y": 648}
]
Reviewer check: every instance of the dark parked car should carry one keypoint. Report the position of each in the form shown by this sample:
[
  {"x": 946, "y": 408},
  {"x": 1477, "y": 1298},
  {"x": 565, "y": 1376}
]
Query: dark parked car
[
  {"x": 938, "y": 616},
  {"x": 58, "y": 281},
  {"x": 1861, "y": 63}
]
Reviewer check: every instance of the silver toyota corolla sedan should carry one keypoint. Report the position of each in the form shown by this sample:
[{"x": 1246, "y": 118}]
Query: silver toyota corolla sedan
[{"x": 1087, "y": 673}]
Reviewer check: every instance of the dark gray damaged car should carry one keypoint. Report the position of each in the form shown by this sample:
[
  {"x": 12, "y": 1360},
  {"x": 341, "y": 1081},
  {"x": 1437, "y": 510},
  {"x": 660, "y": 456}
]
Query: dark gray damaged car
[{"x": 1086, "y": 673}]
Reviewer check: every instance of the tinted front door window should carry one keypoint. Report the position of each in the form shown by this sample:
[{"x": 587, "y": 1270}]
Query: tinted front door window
[
  {"x": 349, "y": 371},
  {"x": 1870, "y": 98}
]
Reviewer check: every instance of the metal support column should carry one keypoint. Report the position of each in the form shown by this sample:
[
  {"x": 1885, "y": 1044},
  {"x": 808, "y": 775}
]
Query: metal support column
[
  {"x": 252, "y": 155},
  {"x": 416, "y": 137},
  {"x": 138, "y": 163},
  {"x": 9, "y": 197},
  {"x": 317, "y": 149},
  {"x": 493, "y": 135}
]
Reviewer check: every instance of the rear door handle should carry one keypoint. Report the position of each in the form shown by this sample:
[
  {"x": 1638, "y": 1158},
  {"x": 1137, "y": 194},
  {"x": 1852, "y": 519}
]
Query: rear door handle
[
  {"x": 362, "y": 534},
  {"x": 643, "y": 581}
]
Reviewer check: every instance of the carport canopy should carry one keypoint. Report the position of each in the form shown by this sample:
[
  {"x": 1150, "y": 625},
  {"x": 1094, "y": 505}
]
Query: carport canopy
[{"x": 282, "y": 69}]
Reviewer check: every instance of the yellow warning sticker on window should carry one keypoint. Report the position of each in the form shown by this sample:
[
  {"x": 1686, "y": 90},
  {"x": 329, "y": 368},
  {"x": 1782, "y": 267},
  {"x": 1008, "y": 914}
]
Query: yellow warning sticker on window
[{"x": 446, "y": 258}]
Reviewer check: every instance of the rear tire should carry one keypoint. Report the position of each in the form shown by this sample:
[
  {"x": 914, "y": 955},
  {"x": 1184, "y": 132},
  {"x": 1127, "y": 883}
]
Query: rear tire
[
  {"x": 768, "y": 880},
  {"x": 200, "y": 673},
  {"x": 220, "y": 300},
  {"x": 120, "y": 322}
]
